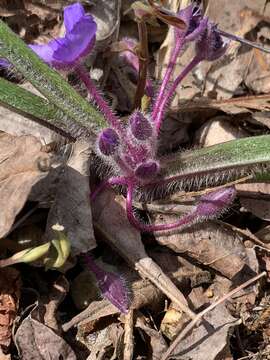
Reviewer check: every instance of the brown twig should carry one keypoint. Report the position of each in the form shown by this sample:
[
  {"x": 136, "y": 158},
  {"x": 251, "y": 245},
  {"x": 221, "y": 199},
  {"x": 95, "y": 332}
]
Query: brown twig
[
  {"x": 199, "y": 317},
  {"x": 143, "y": 62},
  {"x": 128, "y": 337},
  {"x": 150, "y": 270}
]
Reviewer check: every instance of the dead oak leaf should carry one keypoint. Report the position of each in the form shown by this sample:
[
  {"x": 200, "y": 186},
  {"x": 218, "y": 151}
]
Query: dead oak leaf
[
  {"x": 22, "y": 164},
  {"x": 9, "y": 302}
]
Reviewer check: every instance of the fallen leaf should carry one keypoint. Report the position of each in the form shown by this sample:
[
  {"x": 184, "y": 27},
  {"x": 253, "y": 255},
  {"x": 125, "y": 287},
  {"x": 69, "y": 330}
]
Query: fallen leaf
[
  {"x": 210, "y": 244},
  {"x": 9, "y": 298},
  {"x": 211, "y": 337},
  {"x": 156, "y": 344},
  {"x": 255, "y": 198},
  {"x": 71, "y": 207},
  {"x": 36, "y": 341},
  {"x": 216, "y": 131},
  {"x": 23, "y": 163}
]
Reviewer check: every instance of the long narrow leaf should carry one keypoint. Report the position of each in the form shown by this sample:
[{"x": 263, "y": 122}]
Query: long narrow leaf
[
  {"x": 48, "y": 81},
  {"x": 212, "y": 165},
  {"x": 38, "y": 109}
]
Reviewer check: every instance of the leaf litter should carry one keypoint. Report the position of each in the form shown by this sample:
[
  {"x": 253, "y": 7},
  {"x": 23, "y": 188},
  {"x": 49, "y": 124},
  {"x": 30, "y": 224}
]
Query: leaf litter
[{"x": 170, "y": 277}]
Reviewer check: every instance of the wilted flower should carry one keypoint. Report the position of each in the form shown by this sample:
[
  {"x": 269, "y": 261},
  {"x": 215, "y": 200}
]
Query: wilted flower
[
  {"x": 210, "y": 45},
  {"x": 195, "y": 23}
]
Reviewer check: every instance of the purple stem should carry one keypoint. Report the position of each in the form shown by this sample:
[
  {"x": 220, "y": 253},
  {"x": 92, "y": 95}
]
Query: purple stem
[
  {"x": 168, "y": 73},
  {"x": 168, "y": 96},
  {"x": 112, "y": 181},
  {"x": 185, "y": 220},
  {"x": 111, "y": 118}
]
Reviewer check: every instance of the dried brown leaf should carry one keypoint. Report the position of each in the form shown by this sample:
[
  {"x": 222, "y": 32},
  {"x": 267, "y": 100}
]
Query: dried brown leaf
[
  {"x": 156, "y": 343},
  {"x": 71, "y": 207},
  {"x": 210, "y": 244},
  {"x": 22, "y": 165},
  {"x": 255, "y": 198},
  {"x": 36, "y": 341},
  {"x": 9, "y": 299}
]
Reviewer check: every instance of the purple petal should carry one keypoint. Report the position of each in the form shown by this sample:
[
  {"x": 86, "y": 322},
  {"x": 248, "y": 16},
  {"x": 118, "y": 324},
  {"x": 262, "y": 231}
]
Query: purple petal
[
  {"x": 45, "y": 52},
  {"x": 72, "y": 15},
  {"x": 4, "y": 63},
  {"x": 77, "y": 43}
]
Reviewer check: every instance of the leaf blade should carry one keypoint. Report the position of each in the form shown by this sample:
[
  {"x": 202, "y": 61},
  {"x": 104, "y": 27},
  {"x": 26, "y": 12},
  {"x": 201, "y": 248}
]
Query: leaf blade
[{"x": 48, "y": 81}]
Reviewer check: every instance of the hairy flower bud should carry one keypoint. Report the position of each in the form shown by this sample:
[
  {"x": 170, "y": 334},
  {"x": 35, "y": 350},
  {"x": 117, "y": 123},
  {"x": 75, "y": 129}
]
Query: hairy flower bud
[
  {"x": 140, "y": 126},
  {"x": 147, "y": 170},
  {"x": 213, "y": 203},
  {"x": 108, "y": 142}
]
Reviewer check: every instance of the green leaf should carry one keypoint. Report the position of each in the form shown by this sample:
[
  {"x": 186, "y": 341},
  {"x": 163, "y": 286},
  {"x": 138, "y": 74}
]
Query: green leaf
[
  {"x": 48, "y": 81},
  {"x": 218, "y": 163},
  {"x": 37, "y": 108}
]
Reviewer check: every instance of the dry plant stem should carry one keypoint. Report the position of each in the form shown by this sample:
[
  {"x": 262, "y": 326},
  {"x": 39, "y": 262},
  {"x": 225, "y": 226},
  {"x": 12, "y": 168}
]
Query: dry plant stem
[
  {"x": 128, "y": 337},
  {"x": 199, "y": 316},
  {"x": 143, "y": 62},
  {"x": 150, "y": 270}
]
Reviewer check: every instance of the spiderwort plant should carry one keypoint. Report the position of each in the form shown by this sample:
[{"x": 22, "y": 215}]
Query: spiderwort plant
[
  {"x": 133, "y": 148},
  {"x": 130, "y": 149}
]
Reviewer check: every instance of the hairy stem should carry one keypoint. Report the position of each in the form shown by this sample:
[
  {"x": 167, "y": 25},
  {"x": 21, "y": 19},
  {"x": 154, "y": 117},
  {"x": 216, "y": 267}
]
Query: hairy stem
[
  {"x": 174, "y": 55},
  {"x": 104, "y": 184},
  {"x": 185, "y": 220},
  {"x": 168, "y": 96},
  {"x": 103, "y": 106}
]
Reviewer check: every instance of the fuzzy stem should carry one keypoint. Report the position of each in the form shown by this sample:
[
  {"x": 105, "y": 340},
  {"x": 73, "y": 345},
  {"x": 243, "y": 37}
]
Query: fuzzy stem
[
  {"x": 174, "y": 55},
  {"x": 106, "y": 183},
  {"x": 185, "y": 220},
  {"x": 111, "y": 118},
  {"x": 168, "y": 96},
  {"x": 209, "y": 206}
]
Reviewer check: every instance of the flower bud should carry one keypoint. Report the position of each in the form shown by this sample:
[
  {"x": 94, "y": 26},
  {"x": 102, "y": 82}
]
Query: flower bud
[
  {"x": 147, "y": 170},
  {"x": 140, "y": 126},
  {"x": 108, "y": 142},
  {"x": 213, "y": 203}
]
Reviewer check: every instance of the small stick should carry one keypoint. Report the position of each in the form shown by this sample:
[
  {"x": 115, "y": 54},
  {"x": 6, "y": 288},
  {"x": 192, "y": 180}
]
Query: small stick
[
  {"x": 143, "y": 62},
  {"x": 128, "y": 337},
  {"x": 199, "y": 317}
]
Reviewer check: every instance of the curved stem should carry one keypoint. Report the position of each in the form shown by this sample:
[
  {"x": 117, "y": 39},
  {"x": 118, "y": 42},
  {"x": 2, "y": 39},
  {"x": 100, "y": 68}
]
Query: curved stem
[
  {"x": 185, "y": 220},
  {"x": 168, "y": 96},
  {"x": 103, "y": 106},
  {"x": 110, "y": 182},
  {"x": 175, "y": 53}
]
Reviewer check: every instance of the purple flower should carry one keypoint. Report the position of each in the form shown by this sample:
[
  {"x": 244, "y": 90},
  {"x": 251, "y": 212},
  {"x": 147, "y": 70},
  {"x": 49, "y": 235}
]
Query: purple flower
[{"x": 65, "y": 52}]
